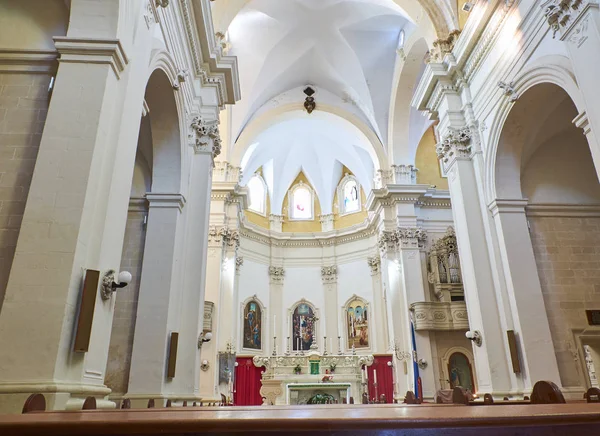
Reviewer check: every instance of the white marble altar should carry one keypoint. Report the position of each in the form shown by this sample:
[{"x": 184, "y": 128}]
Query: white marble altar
[{"x": 292, "y": 373}]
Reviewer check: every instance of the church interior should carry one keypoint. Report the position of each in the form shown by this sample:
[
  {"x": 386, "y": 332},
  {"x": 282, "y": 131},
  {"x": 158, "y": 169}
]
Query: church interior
[{"x": 330, "y": 216}]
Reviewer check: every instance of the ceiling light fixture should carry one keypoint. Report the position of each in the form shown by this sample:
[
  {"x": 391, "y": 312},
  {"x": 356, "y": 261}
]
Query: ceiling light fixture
[
  {"x": 467, "y": 6},
  {"x": 309, "y": 103}
]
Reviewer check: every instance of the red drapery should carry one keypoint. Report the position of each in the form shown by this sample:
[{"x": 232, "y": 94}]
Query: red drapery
[
  {"x": 246, "y": 391},
  {"x": 385, "y": 378}
]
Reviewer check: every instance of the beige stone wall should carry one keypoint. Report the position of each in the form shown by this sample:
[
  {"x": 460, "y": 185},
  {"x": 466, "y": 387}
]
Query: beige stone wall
[
  {"x": 567, "y": 252},
  {"x": 23, "y": 108},
  {"x": 123, "y": 327}
]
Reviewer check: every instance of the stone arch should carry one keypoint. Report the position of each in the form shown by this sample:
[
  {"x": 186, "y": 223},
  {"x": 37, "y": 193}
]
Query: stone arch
[
  {"x": 445, "y": 360},
  {"x": 407, "y": 125},
  {"x": 549, "y": 70},
  {"x": 167, "y": 127}
]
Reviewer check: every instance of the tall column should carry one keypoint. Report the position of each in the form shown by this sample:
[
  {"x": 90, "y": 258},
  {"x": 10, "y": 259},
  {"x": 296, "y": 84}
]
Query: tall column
[
  {"x": 274, "y": 328},
  {"x": 577, "y": 22},
  {"x": 490, "y": 358},
  {"x": 391, "y": 267},
  {"x": 159, "y": 299},
  {"x": 66, "y": 219},
  {"x": 411, "y": 241},
  {"x": 194, "y": 275},
  {"x": 525, "y": 293},
  {"x": 382, "y": 337},
  {"x": 329, "y": 277}
]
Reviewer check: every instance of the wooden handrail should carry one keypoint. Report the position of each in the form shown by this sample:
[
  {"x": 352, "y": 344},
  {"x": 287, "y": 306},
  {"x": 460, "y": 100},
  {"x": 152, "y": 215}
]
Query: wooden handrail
[{"x": 375, "y": 420}]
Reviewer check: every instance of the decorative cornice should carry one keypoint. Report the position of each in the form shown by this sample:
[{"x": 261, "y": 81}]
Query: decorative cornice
[
  {"x": 329, "y": 274},
  {"x": 28, "y": 61},
  {"x": 210, "y": 65},
  {"x": 92, "y": 51},
  {"x": 165, "y": 201},
  {"x": 204, "y": 136},
  {"x": 226, "y": 173}
]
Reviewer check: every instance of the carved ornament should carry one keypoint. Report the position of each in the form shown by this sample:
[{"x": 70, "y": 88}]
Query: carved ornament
[
  {"x": 277, "y": 273},
  {"x": 329, "y": 274},
  {"x": 456, "y": 143},
  {"x": 441, "y": 47},
  {"x": 374, "y": 264},
  {"x": 205, "y": 137}
]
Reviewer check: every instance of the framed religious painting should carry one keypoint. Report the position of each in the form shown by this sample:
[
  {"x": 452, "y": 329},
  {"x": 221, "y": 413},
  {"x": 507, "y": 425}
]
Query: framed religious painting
[
  {"x": 304, "y": 324},
  {"x": 357, "y": 319},
  {"x": 253, "y": 313}
]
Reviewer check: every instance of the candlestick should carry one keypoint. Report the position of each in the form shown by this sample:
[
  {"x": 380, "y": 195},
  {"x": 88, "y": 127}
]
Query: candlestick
[
  {"x": 366, "y": 374},
  {"x": 374, "y": 376},
  {"x": 325, "y": 346},
  {"x": 274, "y": 345},
  {"x": 287, "y": 344},
  {"x": 274, "y": 324},
  {"x": 297, "y": 344},
  {"x": 331, "y": 344},
  {"x": 340, "y": 345}
]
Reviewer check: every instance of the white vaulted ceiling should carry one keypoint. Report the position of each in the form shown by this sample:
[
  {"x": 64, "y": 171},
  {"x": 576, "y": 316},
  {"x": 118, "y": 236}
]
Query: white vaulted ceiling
[
  {"x": 347, "y": 47},
  {"x": 346, "y": 50},
  {"x": 319, "y": 145}
]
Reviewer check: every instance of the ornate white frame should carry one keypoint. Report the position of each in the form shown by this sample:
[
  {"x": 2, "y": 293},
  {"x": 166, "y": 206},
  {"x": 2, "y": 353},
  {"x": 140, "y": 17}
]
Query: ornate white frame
[
  {"x": 291, "y": 201},
  {"x": 366, "y": 305},
  {"x": 266, "y": 188},
  {"x": 290, "y": 327},
  {"x": 263, "y": 317},
  {"x": 340, "y": 194},
  {"x": 445, "y": 360}
]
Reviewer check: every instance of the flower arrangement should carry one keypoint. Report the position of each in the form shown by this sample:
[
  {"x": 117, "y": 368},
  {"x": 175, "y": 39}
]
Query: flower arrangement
[
  {"x": 298, "y": 369},
  {"x": 332, "y": 367}
]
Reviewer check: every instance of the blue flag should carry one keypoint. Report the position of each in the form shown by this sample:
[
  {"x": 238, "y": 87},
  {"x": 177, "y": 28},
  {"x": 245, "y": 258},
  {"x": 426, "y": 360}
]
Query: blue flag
[{"x": 415, "y": 363}]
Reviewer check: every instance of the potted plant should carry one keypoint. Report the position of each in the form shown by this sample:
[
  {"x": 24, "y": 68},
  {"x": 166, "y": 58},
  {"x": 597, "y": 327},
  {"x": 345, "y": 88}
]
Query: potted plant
[
  {"x": 298, "y": 369},
  {"x": 332, "y": 368}
]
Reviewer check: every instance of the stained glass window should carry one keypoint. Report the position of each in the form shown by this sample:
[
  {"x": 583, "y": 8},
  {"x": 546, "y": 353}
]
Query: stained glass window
[
  {"x": 301, "y": 203},
  {"x": 351, "y": 201},
  {"x": 256, "y": 189}
]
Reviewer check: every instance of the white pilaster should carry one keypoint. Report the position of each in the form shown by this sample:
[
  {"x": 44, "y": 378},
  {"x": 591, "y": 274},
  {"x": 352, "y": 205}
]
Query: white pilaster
[
  {"x": 382, "y": 337},
  {"x": 525, "y": 293},
  {"x": 329, "y": 277},
  {"x": 275, "y": 327}
]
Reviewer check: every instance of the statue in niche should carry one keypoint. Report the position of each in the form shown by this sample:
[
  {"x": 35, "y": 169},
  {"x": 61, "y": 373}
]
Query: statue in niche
[
  {"x": 303, "y": 327},
  {"x": 357, "y": 323},
  {"x": 252, "y": 326}
]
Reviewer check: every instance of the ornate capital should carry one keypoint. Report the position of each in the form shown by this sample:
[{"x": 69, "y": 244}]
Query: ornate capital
[
  {"x": 456, "y": 144},
  {"x": 375, "y": 264},
  {"x": 162, "y": 3},
  {"x": 404, "y": 174},
  {"x": 276, "y": 222},
  {"x": 225, "y": 172},
  {"x": 329, "y": 274},
  {"x": 411, "y": 237},
  {"x": 223, "y": 237},
  {"x": 204, "y": 136},
  {"x": 383, "y": 177},
  {"x": 560, "y": 13},
  {"x": 441, "y": 47},
  {"x": 277, "y": 273},
  {"x": 326, "y": 222},
  {"x": 387, "y": 242}
]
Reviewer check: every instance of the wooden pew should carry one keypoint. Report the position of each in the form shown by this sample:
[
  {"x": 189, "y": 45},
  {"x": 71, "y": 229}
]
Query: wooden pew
[
  {"x": 340, "y": 420},
  {"x": 35, "y": 403}
]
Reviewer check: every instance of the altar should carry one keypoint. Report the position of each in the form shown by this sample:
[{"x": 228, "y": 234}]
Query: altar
[
  {"x": 304, "y": 393},
  {"x": 312, "y": 378}
]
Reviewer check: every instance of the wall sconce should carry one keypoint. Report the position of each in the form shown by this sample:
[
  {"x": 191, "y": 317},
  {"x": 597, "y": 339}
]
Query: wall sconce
[
  {"x": 422, "y": 363},
  {"x": 204, "y": 365},
  {"x": 108, "y": 282},
  {"x": 475, "y": 336},
  {"x": 204, "y": 337},
  {"x": 467, "y": 6},
  {"x": 389, "y": 363}
]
